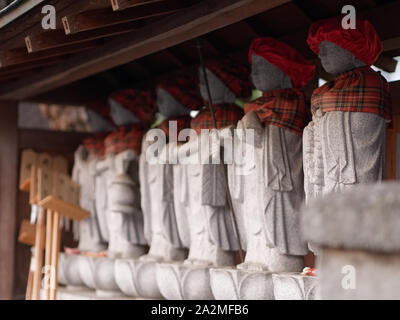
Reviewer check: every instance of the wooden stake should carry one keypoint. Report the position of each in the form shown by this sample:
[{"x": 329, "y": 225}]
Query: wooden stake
[
  {"x": 29, "y": 287},
  {"x": 55, "y": 249},
  {"x": 39, "y": 246},
  {"x": 48, "y": 253}
]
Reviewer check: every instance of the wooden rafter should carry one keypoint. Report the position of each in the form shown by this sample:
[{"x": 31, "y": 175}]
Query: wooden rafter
[
  {"x": 10, "y": 70},
  {"x": 58, "y": 38},
  {"x": 20, "y": 55},
  {"x": 13, "y": 35},
  {"x": 197, "y": 20},
  {"x": 124, "y": 4},
  {"x": 95, "y": 19}
]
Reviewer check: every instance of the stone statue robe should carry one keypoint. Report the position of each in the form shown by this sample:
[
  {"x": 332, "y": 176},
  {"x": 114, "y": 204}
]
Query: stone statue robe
[
  {"x": 211, "y": 229},
  {"x": 89, "y": 234},
  {"x": 125, "y": 221},
  {"x": 158, "y": 205},
  {"x": 273, "y": 193}
]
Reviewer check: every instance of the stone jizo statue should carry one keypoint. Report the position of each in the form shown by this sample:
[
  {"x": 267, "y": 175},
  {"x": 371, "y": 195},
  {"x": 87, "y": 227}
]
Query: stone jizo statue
[{"x": 344, "y": 145}]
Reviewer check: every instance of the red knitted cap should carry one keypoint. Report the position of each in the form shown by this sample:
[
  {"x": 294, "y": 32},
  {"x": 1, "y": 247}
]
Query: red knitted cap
[
  {"x": 184, "y": 87},
  {"x": 101, "y": 107},
  {"x": 363, "y": 42},
  {"x": 235, "y": 76},
  {"x": 292, "y": 63},
  {"x": 139, "y": 102}
]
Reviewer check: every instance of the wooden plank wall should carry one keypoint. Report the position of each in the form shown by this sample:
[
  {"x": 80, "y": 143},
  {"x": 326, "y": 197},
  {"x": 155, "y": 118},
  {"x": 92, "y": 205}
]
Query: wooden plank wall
[
  {"x": 54, "y": 143},
  {"x": 8, "y": 194}
]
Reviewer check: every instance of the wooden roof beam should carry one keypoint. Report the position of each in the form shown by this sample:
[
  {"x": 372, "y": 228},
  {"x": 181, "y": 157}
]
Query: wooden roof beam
[
  {"x": 5, "y": 71},
  {"x": 20, "y": 55},
  {"x": 57, "y": 38},
  {"x": 95, "y": 19},
  {"x": 124, "y": 4},
  {"x": 197, "y": 20}
]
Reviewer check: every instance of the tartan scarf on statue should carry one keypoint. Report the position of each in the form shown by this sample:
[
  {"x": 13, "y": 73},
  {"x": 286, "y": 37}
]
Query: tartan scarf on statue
[
  {"x": 182, "y": 122},
  {"x": 225, "y": 115},
  {"x": 124, "y": 138},
  {"x": 359, "y": 90},
  {"x": 285, "y": 108},
  {"x": 94, "y": 145}
]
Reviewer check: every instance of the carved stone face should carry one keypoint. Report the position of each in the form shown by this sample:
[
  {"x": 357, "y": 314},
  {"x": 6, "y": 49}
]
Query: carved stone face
[
  {"x": 220, "y": 93},
  {"x": 97, "y": 123},
  {"x": 267, "y": 77},
  {"x": 168, "y": 105},
  {"x": 336, "y": 60},
  {"x": 120, "y": 115}
]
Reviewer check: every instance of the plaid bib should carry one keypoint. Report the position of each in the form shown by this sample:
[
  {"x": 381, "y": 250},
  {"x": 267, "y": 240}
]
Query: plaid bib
[
  {"x": 285, "y": 108},
  {"x": 360, "y": 90},
  {"x": 225, "y": 115},
  {"x": 124, "y": 138}
]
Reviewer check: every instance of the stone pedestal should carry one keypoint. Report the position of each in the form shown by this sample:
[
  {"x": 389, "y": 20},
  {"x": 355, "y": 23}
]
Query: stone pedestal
[
  {"x": 104, "y": 277},
  {"x": 357, "y": 233},
  {"x": 87, "y": 270},
  {"x": 68, "y": 270},
  {"x": 179, "y": 281},
  {"x": 235, "y": 284},
  {"x": 137, "y": 278},
  {"x": 294, "y": 286}
]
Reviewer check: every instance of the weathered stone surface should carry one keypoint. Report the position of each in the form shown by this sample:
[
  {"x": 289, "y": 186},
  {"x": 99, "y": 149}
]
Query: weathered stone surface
[
  {"x": 294, "y": 286},
  {"x": 365, "y": 217},
  {"x": 104, "y": 277},
  {"x": 70, "y": 265},
  {"x": 178, "y": 281},
  {"x": 70, "y": 293},
  {"x": 236, "y": 284},
  {"x": 87, "y": 270},
  {"x": 144, "y": 273},
  {"x": 124, "y": 274},
  {"x": 349, "y": 274}
]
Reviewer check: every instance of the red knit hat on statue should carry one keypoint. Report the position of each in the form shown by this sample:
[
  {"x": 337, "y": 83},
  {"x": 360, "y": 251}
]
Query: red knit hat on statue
[
  {"x": 235, "y": 76},
  {"x": 184, "y": 87},
  {"x": 139, "y": 102},
  {"x": 101, "y": 107},
  {"x": 95, "y": 144},
  {"x": 300, "y": 70},
  {"x": 363, "y": 41},
  {"x": 124, "y": 138}
]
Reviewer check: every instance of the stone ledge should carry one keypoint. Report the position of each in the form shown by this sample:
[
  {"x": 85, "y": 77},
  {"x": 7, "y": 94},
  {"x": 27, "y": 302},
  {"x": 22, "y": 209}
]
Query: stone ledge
[
  {"x": 64, "y": 293},
  {"x": 364, "y": 218}
]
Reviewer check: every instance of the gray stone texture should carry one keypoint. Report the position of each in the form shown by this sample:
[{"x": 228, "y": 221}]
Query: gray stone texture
[
  {"x": 365, "y": 217},
  {"x": 295, "y": 286}
]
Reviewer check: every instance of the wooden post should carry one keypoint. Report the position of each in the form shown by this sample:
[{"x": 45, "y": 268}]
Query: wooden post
[
  {"x": 55, "y": 249},
  {"x": 8, "y": 195},
  {"x": 29, "y": 286},
  {"x": 39, "y": 246},
  {"x": 48, "y": 260}
]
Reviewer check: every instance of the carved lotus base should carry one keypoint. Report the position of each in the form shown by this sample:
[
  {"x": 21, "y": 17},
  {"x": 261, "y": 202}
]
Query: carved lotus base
[
  {"x": 234, "y": 284},
  {"x": 184, "y": 282},
  {"x": 61, "y": 269},
  {"x": 104, "y": 277},
  {"x": 86, "y": 271},
  {"x": 125, "y": 276},
  {"x": 98, "y": 274},
  {"x": 145, "y": 278},
  {"x": 294, "y": 286},
  {"x": 68, "y": 270}
]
